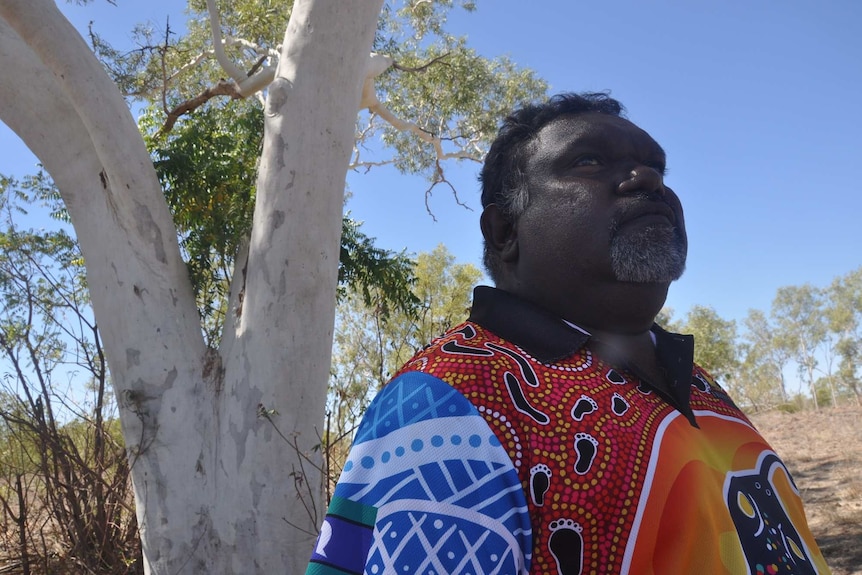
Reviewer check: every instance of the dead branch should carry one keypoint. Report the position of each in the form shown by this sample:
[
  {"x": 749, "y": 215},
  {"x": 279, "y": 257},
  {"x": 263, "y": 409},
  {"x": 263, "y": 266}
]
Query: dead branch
[
  {"x": 223, "y": 88},
  {"x": 440, "y": 178},
  {"x": 162, "y": 54}
]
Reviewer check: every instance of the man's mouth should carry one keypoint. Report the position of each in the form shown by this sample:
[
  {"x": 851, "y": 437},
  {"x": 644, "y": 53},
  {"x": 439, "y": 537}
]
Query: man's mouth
[{"x": 646, "y": 213}]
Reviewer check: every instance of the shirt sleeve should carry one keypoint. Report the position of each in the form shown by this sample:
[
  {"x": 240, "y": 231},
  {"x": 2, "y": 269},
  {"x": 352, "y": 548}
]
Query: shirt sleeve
[{"x": 427, "y": 488}]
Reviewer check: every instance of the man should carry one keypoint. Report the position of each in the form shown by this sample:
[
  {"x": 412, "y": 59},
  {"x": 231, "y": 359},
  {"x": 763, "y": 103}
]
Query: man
[{"x": 559, "y": 430}]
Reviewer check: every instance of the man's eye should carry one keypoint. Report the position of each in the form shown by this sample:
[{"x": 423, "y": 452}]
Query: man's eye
[
  {"x": 658, "y": 167},
  {"x": 587, "y": 160}
]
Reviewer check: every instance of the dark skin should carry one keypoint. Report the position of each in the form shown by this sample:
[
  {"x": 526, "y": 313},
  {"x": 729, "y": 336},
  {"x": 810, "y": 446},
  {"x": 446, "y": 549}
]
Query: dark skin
[{"x": 591, "y": 176}]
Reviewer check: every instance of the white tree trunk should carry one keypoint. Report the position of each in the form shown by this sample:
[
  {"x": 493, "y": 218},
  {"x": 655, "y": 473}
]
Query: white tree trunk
[{"x": 213, "y": 438}]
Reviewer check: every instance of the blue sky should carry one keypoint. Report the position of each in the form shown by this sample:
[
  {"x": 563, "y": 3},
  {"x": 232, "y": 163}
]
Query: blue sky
[{"x": 757, "y": 104}]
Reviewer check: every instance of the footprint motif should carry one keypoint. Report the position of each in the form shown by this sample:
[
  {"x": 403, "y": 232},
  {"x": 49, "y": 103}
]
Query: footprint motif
[
  {"x": 586, "y": 446},
  {"x": 526, "y": 370},
  {"x": 540, "y": 481},
  {"x": 615, "y": 377},
  {"x": 644, "y": 388},
  {"x": 619, "y": 405},
  {"x": 566, "y": 545},
  {"x": 584, "y": 406},
  {"x": 520, "y": 401}
]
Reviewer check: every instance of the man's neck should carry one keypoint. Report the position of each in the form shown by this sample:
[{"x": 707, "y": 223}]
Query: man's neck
[{"x": 614, "y": 311}]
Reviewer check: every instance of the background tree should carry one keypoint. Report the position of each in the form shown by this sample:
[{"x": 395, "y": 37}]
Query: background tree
[
  {"x": 444, "y": 292},
  {"x": 844, "y": 312},
  {"x": 213, "y": 433},
  {"x": 666, "y": 321},
  {"x": 800, "y": 327},
  {"x": 715, "y": 342},
  {"x": 761, "y": 380}
]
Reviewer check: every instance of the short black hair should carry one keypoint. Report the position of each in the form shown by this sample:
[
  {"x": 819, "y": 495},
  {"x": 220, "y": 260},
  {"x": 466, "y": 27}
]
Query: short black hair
[{"x": 503, "y": 177}]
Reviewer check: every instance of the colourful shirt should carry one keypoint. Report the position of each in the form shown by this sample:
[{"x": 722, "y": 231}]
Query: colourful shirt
[{"x": 508, "y": 447}]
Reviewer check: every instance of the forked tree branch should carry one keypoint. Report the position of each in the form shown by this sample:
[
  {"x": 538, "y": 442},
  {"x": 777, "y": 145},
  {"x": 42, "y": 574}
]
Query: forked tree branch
[
  {"x": 378, "y": 64},
  {"x": 246, "y": 84}
]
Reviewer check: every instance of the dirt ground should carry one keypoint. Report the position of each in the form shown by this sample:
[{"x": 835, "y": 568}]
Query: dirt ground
[{"x": 823, "y": 450}]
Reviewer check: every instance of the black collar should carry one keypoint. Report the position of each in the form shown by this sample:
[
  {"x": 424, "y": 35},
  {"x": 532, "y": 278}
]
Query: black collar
[
  {"x": 549, "y": 339},
  {"x": 532, "y": 328}
]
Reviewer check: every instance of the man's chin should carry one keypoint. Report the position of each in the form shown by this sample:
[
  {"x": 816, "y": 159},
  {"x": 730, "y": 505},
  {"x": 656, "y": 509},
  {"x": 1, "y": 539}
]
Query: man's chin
[
  {"x": 655, "y": 255},
  {"x": 647, "y": 277}
]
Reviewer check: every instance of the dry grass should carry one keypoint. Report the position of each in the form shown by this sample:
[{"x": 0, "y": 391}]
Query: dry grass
[{"x": 823, "y": 450}]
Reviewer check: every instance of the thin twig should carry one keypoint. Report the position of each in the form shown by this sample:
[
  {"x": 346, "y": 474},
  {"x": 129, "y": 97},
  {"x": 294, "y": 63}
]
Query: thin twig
[{"x": 421, "y": 68}]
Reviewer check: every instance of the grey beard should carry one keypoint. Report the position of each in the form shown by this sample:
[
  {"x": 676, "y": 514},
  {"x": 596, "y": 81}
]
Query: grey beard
[{"x": 652, "y": 255}]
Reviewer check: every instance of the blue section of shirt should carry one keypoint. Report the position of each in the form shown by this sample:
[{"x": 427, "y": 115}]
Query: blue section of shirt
[
  {"x": 447, "y": 496},
  {"x": 411, "y": 398}
]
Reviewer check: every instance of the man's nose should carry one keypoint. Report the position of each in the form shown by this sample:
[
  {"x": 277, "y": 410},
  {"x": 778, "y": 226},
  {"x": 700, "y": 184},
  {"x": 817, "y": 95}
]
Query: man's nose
[{"x": 642, "y": 180}]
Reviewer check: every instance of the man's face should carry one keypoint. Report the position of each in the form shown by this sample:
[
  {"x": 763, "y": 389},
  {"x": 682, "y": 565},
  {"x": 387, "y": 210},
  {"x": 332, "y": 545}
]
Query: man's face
[{"x": 598, "y": 207}]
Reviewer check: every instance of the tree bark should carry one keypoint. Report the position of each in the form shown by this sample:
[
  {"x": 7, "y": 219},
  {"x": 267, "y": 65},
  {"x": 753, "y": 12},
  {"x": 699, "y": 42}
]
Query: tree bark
[
  {"x": 278, "y": 356},
  {"x": 216, "y": 441}
]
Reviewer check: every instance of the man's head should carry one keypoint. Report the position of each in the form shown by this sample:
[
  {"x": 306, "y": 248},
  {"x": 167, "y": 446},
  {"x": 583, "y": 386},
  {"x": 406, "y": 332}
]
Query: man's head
[{"x": 573, "y": 191}]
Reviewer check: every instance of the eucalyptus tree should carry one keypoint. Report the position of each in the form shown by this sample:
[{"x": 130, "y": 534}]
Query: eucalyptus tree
[
  {"x": 715, "y": 346},
  {"x": 221, "y": 437},
  {"x": 801, "y": 328},
  {"x": 666, "y": 321},
  {"x": 765, "y": 355},
  {"x": 844, "y": 312}
]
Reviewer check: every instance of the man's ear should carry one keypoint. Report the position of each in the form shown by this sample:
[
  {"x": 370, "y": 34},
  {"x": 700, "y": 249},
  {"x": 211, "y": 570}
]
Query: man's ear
[{"x": 501, "y": 235}]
